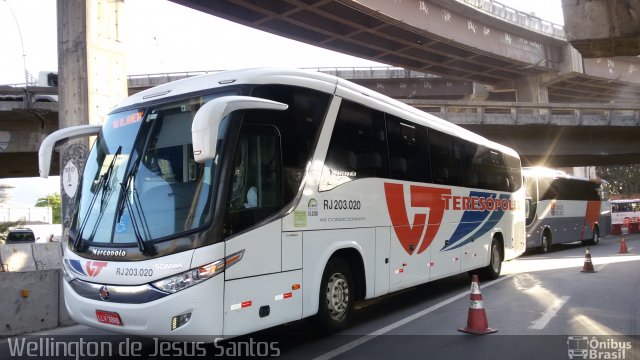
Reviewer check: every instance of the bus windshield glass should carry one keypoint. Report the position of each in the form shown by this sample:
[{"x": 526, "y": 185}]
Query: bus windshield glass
[{"x": 141, "y": 182}]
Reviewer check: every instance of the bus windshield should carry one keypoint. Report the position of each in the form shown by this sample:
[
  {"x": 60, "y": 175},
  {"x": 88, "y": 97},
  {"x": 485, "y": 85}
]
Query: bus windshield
[{"x": 141, "y": 182}]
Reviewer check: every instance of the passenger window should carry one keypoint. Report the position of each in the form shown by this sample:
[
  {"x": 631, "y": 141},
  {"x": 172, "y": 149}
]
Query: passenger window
[
  {"x": 299, "y": 128},
  {"x": 444, "y": 152},
  {"x": 357, "y": 148},
  {"x": 408, "y": 151},
  {"x": 489, "y": 169},
  {"x": 255, "y": 190}
]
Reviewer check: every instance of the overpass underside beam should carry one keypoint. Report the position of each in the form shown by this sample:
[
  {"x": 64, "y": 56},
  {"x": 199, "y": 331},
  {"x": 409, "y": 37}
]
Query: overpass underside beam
[
  {"x": 24, "y": 164},
  {"x": 560, "y": 146}
]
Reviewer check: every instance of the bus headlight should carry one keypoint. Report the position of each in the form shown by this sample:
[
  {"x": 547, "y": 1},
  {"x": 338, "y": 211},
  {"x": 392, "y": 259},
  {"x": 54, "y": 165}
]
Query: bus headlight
[
  {"x": 66, "y": 274},
  {"x": 191, "y": 277},
  {"x": 67, "y": 271}
]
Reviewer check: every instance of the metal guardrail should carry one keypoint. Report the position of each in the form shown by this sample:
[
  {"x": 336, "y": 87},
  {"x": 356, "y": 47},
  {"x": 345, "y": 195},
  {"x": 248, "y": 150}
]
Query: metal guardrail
[
  {"x": 521, "y": 113},
  {"x": 372, "y": 72},
  {"x": 517, "y": 17}
]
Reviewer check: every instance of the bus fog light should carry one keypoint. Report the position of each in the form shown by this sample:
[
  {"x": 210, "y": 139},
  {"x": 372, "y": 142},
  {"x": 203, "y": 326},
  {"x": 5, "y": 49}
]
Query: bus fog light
[{"x": 180, "y": 320}]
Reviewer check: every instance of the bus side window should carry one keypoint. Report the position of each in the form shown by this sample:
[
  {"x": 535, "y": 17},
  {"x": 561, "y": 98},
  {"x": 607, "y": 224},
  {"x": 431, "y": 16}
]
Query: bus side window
[
  {"x": 408, "y": 150},
  {"x": 359, "y": 131},
  {"x": 445, "y": 158}
]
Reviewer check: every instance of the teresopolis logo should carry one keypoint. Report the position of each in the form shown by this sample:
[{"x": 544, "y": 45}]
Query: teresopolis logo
[
  {"x": 482, "y": 211},
  {"x": 421, "y": 196},
  {"x": 91, "y": 268}
]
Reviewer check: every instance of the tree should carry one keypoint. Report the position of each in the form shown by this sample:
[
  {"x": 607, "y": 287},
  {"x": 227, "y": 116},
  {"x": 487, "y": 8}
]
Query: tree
[
  {"x": 55, "y": 202},
  {"x": 623, "y": 179}
]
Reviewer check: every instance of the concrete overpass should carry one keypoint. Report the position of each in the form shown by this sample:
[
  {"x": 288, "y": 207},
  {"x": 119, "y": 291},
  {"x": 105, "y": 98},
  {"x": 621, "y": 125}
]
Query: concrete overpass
[
  {"x": 481, "y": 41},
  {"x": 25, "y": 120}
]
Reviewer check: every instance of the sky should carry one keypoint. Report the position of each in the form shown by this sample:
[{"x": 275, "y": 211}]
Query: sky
[{"x": 166, "y": 37}]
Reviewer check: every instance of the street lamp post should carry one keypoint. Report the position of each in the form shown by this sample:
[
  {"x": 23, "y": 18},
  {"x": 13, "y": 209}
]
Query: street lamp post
[{"x": 24, "y": 55}]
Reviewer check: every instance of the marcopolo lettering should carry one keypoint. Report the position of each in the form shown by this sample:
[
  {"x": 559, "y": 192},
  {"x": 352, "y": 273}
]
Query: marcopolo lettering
[{"x": 109, "y": 252}]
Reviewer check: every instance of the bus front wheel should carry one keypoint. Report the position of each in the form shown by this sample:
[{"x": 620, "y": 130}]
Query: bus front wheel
[
  {"x": 337, "y": 296},
  {"x": 546, "y": 244},
  {"x": 595, "y": 239}
]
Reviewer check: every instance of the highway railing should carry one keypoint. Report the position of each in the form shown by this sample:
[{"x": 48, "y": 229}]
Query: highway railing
[
  {"x": 381, "y": 72},
  {"x": 522, "y": 113},
  {"x": 517, "y": 17}
]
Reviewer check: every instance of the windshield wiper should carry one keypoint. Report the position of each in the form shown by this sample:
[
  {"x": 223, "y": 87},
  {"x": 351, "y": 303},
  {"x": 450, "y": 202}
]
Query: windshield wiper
[
  {"x": 123, "y": 202},
  {"x": 125, "y": 188},
  {"x": 144, "y": 247},
  {"x": 101, "y": 186}
]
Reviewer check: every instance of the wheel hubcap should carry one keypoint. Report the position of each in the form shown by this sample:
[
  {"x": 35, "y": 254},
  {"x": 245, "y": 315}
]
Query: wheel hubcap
[{"x": 337, "y": 296}]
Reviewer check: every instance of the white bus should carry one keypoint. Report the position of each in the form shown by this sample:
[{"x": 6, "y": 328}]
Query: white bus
[
  {"x": 625, "y": 213},
  {"x": 228, "y": 203},
  {"x": 563, "y": 209}
]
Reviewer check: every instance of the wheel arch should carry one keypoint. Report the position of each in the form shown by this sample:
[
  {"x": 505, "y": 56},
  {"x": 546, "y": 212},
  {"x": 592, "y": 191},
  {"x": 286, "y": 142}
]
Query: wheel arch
[{"x": 353, "y": 254}]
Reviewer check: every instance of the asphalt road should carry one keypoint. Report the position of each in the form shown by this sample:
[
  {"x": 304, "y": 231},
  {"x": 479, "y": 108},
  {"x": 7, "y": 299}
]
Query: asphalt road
[{"x": 543, "y": 307}]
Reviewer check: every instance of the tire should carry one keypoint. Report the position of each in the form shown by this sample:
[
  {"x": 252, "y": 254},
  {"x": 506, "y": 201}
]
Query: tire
[
  {"x": 546, "y": 244},
  {"x": 492, "y": 271},
  {"x": 596, "y": 237},
  {"x": 337, "y": 296}
]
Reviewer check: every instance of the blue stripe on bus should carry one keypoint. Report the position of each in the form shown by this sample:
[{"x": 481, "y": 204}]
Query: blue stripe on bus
[
  {"x": 470, "y": 220},
  {"x": 496, "y": 215}
]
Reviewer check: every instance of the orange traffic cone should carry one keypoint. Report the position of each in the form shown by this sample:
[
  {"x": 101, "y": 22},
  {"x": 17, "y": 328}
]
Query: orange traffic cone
[
  {"x": 588, "y": 265},
  {"x": 623, "y": 247},
  {"x": 477, "y": 318}
]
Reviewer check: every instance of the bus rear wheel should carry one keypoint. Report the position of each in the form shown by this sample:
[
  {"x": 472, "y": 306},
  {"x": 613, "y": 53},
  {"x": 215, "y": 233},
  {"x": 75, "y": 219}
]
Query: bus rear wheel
[
  {"x": 337, "y": 296},
  {"x": 492, "y": 271}
]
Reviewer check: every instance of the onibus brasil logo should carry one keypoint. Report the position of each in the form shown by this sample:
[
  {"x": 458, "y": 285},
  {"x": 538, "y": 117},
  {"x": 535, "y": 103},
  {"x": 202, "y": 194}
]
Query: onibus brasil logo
[{"x": 583, "y": 347}]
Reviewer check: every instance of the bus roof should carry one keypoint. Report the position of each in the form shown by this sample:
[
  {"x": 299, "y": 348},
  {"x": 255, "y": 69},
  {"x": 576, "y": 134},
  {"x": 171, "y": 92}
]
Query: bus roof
[
  {"x": 625, "y": 201},
  {"x": 310, "y": 79},
  {"x": 539, "y": 171}
]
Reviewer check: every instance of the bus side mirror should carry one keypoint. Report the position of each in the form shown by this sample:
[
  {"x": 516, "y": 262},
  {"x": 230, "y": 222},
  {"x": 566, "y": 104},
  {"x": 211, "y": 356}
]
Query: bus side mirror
[
  {"x": 49, "y": 143},
  {"x": 205, "y": 130}
]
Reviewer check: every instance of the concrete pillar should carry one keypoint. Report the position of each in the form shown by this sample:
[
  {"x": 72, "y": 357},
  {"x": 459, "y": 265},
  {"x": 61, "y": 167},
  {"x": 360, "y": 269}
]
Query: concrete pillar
[
  {"x": 91, "y": 79},
  {"x": 531, "y": 89},
  {"x": 603, "y": 28}
]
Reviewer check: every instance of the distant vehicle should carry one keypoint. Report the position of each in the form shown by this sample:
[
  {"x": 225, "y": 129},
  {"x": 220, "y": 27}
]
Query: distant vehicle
[
  {"x": 19, "y": 236},
  {"x": 48, "y": 78},
  {"x": 627, "y": 213},
  {"x": 561, "y": 208}
]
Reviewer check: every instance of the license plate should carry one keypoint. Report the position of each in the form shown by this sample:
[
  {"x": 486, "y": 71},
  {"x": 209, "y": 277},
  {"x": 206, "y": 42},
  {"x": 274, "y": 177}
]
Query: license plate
[{"x": 108, "y": 317}]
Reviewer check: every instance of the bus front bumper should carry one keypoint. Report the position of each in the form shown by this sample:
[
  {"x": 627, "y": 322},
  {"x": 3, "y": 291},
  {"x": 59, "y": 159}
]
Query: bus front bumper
[{"x": 204, "y": 303}]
